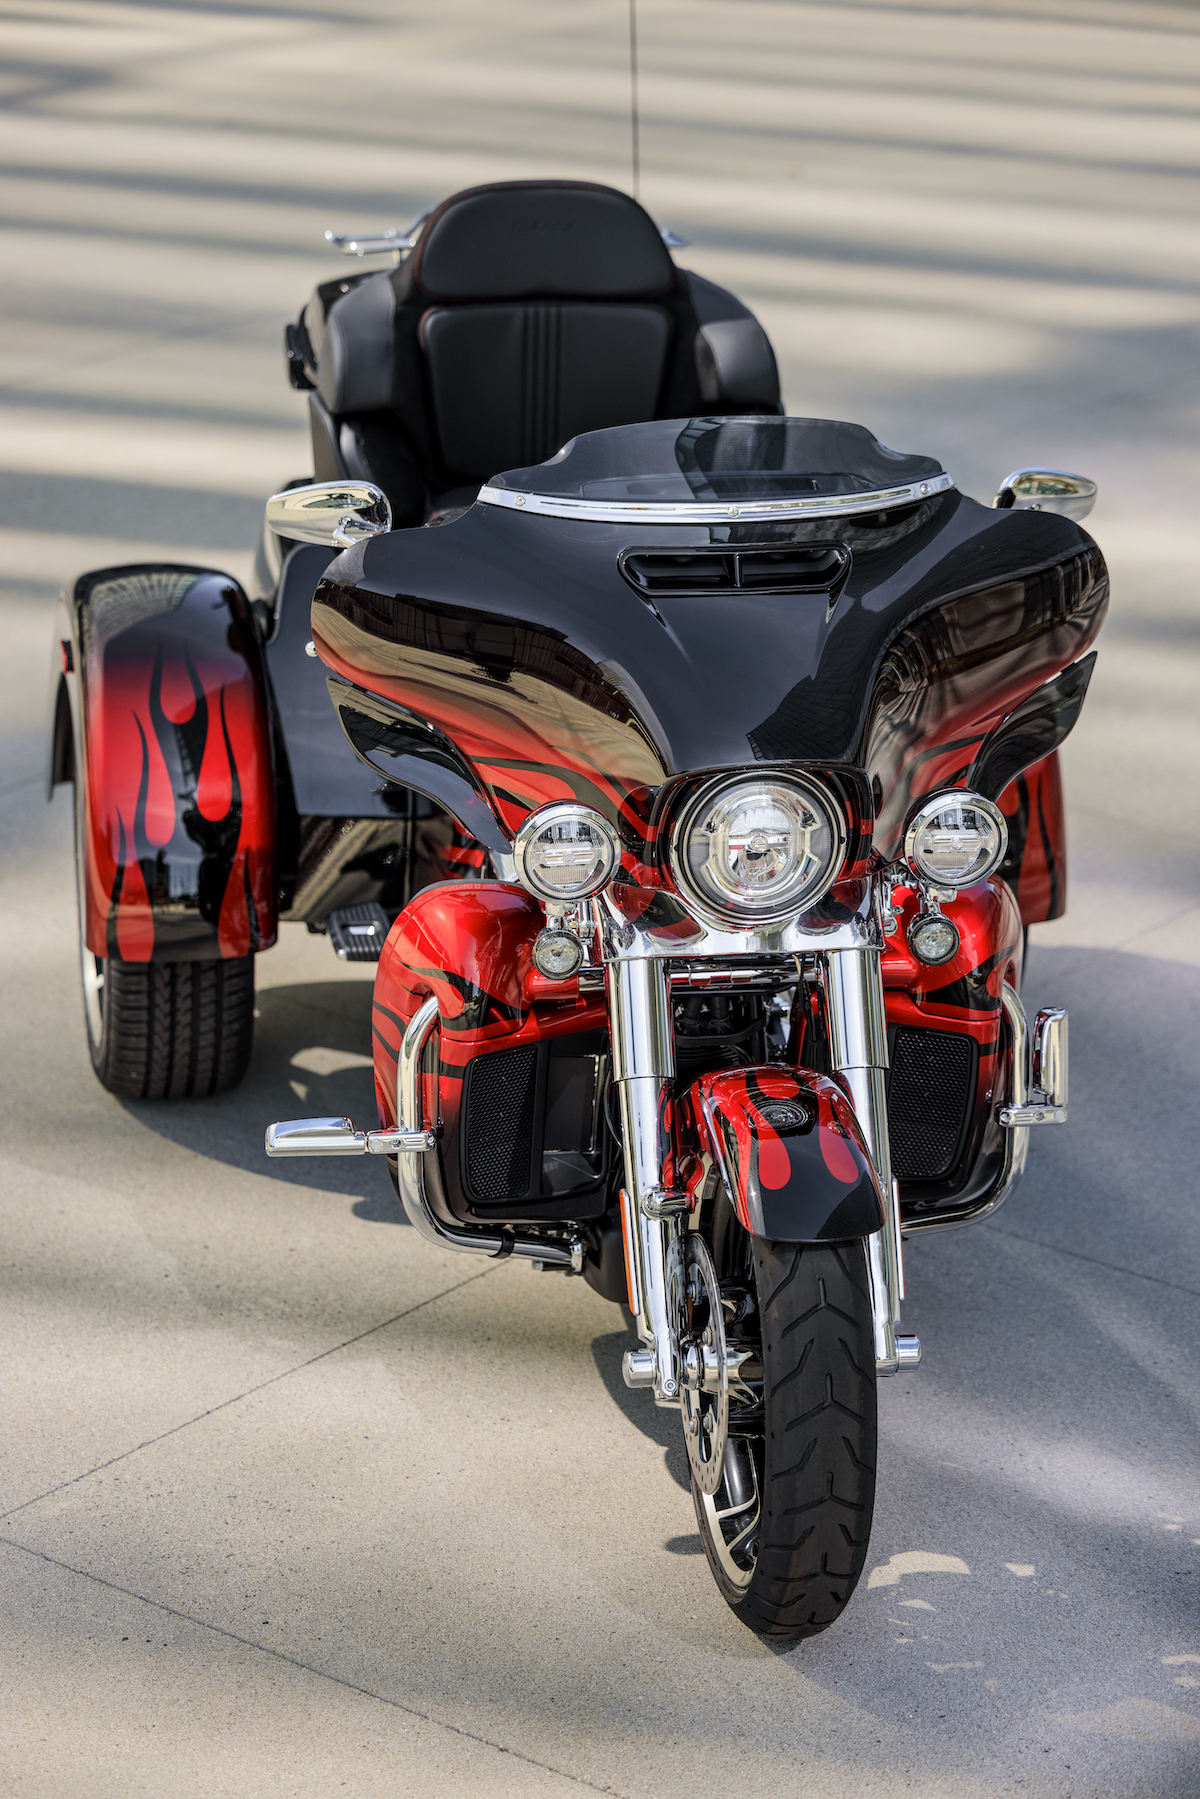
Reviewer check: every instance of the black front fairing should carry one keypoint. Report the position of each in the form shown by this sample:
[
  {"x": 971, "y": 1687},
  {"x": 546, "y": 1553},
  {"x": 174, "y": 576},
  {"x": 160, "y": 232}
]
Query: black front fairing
[{"x": 518, "y": 636}]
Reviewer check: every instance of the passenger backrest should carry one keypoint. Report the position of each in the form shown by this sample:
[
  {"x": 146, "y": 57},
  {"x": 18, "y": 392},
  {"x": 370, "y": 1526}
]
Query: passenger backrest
[{"x": 527, "y": 313}]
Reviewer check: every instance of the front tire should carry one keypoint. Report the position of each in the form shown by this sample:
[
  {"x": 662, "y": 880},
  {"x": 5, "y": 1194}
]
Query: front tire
[{"x": 787, "y": 1532}]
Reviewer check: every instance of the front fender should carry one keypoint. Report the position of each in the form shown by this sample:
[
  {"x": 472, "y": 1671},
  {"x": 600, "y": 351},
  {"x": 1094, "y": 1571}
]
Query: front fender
[
  {"x": 163, "y": 700},
  {"x": 788, "y": 1149}
]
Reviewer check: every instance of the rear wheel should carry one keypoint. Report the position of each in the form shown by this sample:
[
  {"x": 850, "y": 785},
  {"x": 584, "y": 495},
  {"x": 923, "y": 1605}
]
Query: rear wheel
[
  {"x": 166, "y": 1030},
  {"x": 169, "y": 1030},
  {"x": 787, "y": 1528}
]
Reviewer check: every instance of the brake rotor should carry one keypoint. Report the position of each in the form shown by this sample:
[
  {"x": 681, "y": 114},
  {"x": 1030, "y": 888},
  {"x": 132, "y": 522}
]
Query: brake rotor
[{"x": 704, "y": 1359}]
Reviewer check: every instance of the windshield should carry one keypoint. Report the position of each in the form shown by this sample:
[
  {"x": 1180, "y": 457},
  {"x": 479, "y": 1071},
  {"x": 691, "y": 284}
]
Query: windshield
[{"x": 721, "y": 460}]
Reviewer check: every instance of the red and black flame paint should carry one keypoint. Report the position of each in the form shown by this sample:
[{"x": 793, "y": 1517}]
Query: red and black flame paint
[
  {"x": 1035, "y": 866},
  {"x": 534, "y": 718},
  {"x": 952, "y": 675},
  {"x": 960, "y": 995},
  {"x": 468, "y": 945},
  {"x": 803, "y": 1177},
  {"x": 788, "y": 1148},
  {"x": 179, "y": 832}
]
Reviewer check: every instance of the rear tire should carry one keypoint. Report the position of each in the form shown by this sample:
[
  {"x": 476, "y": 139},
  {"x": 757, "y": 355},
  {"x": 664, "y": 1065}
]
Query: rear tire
[
  {"x": 170, "y": 1030},
  {"x": 810, "y": 1470},
  {"x": 164, "y": 1030}
]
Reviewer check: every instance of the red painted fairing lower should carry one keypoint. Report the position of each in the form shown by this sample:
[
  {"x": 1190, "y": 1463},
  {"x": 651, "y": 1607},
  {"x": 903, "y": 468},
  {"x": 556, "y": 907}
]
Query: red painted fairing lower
[
  {"x": 963, "y": 994},
  {"x": 788, "y": 1149},
  {"x": 179, "y": 828},
  {"x": 468, "y": 944}
]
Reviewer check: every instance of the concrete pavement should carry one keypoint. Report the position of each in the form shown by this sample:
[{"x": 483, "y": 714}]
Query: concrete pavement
[{"x": 295, "y": 1504}]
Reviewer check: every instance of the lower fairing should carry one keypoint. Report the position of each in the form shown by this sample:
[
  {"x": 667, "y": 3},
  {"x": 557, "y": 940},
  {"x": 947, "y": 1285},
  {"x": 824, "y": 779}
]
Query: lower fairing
[{"x": 521, "y": 1067}]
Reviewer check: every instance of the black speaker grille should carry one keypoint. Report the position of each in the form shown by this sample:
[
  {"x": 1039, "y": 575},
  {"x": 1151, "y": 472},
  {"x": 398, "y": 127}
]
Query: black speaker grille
[
  {"x": 498, "y": 1124},
  {"x": 928, "y": 1096}
]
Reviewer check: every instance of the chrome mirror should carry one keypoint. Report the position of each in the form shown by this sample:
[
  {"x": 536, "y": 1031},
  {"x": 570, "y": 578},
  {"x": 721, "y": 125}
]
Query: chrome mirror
[
  {"x": 340, "y": 513},
  {"x": 1047, "y": 490}
]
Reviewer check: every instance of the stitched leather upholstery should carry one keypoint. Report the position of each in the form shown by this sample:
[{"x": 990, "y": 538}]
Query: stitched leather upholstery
[
  {"x": 527, "y": 313},
  {"x": 511, "y": 384},
  {"x": 517, "y": 239}
]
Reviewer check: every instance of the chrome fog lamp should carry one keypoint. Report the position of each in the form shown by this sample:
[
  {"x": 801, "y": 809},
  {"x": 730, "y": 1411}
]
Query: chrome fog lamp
[
  {"x": 933, "y": 938},
  {"x": 758, "y": 849},
  {"x": 566, "y": 852},
  {"x": 557, "y": 954},
  {"x": 955, "y": 838}
]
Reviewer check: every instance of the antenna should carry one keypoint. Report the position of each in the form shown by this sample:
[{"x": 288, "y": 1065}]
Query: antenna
[{"x": 633, "y": 96}]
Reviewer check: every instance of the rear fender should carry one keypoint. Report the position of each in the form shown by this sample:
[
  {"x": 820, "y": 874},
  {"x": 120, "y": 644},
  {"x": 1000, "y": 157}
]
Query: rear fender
[
  {"x": 788, "y": 1148},
  {"x": 162, "y": 702}
]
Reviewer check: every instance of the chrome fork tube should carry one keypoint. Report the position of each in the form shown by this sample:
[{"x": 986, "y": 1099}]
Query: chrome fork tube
[
  {"x": 857, "y": 1024},
  {"x": 643, "y": 1060}
]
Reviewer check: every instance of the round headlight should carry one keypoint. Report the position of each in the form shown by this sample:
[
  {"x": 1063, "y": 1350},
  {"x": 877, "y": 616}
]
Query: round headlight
[
  {"x": 955, "y": 839},
  {"x": 566, "y": 852},
  {"x": 758, "y": 850}
]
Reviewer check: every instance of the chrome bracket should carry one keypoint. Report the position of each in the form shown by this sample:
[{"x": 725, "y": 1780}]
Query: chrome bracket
[
  {"x": 1012, "y": 1116},
  {"x": 639, "y": 1367},
  {"x": 658, "y": 1203},
  {"x": 575, "y": 1266}
]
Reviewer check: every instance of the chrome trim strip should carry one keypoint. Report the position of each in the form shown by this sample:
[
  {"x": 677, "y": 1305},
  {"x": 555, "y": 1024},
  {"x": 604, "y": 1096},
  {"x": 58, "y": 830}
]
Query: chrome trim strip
[{"x": 710, "y": 512}]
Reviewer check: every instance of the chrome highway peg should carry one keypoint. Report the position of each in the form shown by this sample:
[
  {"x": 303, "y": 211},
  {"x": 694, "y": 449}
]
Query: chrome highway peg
[{"x": 338, "y": 1137}]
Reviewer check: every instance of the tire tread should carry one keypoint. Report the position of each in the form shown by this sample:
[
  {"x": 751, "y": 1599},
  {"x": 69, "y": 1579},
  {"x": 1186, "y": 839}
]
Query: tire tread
[
  {"x": 819, "y": 1369},
  {"x": 175, "y": 1030}
]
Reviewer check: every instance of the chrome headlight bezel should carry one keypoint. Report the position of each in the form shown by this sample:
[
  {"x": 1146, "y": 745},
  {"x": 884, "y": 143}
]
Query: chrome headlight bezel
[
  {"x": 566, "y": 812},
  {"x": 722, "y": 909},
  {"x": 931, "y": 808}
]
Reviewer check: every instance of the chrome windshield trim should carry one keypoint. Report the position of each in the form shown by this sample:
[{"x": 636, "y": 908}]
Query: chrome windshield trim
[{"x": 711, "y": 512}]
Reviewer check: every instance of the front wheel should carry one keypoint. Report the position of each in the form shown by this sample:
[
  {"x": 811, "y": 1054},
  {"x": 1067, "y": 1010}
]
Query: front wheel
[{"x": 787, "y": 1528}]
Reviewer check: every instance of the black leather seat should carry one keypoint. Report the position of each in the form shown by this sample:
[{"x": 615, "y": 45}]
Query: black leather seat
[{"x": 528, "y": 311}]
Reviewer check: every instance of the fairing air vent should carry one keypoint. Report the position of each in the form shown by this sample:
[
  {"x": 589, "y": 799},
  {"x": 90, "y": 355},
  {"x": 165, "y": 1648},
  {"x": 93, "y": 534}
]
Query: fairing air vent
[{"x": 774, "y": 568}]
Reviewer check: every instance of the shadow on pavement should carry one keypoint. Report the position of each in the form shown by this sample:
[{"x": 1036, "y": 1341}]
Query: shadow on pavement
[
  {"x": 312, "y": 1049},
  {"x": 660, "y": 1424}
]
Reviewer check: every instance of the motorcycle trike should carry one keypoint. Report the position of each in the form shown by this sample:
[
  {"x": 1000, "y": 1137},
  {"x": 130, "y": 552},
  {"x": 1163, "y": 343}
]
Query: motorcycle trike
[{"x": 688, "y": 771}]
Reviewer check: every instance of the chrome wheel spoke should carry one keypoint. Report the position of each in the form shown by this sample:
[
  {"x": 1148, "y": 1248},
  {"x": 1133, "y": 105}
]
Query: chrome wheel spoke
[{"x": 733, "y": 1551}]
